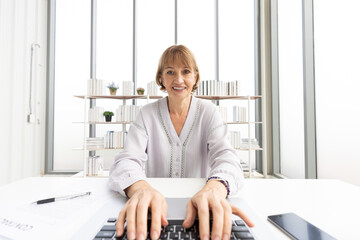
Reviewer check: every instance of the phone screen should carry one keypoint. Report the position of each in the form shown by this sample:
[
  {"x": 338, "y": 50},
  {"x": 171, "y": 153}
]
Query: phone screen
[{"x": 298, "y": 228}]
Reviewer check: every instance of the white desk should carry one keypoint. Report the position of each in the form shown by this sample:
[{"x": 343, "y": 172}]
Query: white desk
[{"x": 332, "y": 205}]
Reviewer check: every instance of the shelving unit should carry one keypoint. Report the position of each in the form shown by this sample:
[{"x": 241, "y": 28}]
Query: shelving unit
[
  {"x": 86, "y": 123},
  {"x": 130, "y": 97},
  {"x": 249, "y": 123}
]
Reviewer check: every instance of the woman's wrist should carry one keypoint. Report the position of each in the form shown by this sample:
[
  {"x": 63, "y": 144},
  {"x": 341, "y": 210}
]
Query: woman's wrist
[
  {"x": 221, "y": 184},
  {"x": 131, "y": 190}
]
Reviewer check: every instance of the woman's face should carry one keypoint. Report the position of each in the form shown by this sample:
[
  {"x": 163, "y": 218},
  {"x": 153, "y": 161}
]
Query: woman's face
[{"x": 178, "y": 80}]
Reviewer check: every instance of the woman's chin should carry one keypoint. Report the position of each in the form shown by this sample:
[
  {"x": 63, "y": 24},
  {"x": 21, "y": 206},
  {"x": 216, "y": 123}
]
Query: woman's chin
[{"x": 179, "y": 94}]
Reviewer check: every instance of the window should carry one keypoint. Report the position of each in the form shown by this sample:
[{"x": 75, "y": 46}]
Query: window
[
  {"x": 291, "y": 88},
  {"x": 72, "y": 69},
  {"x": 115, "y": 47}
]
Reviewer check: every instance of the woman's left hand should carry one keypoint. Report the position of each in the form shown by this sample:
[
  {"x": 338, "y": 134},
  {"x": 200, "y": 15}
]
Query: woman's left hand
[{"x": 213, "y": 198}]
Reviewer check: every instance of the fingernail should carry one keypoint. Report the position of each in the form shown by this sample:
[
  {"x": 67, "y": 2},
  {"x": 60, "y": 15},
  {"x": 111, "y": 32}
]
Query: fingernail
[
  {"x": 206, "y": 237},
  {"x": 131, "y": 235},
  {"x": 140, "y": 236},
  {"x": 216, "y": 237},
  {"x": 154, "y": 235},
  {"x": 118, "y": 233},
  {"x": 226, "y": 237}
]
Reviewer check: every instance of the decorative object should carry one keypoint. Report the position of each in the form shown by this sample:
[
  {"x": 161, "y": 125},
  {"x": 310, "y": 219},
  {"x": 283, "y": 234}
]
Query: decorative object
[
  {"x": 140, "y": 91},
  {"x": 112, "y": 88},
  {"x": 108, "y": 115}
]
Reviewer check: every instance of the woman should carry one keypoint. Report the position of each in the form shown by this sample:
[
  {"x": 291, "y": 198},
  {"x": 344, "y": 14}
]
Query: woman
[{"x": 177, "y": 136}]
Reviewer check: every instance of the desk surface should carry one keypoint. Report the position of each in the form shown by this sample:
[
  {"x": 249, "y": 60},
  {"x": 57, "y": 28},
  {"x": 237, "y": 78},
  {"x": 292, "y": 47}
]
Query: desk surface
[{"x": 331, "y": 205}]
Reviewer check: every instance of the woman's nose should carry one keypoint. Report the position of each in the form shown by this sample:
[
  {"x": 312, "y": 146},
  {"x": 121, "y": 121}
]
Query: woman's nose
[{"x": 179, "y": 78}]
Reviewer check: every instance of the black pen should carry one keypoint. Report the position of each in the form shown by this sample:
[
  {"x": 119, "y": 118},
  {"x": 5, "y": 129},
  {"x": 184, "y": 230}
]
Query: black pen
[{"x": 67, "y": 197}]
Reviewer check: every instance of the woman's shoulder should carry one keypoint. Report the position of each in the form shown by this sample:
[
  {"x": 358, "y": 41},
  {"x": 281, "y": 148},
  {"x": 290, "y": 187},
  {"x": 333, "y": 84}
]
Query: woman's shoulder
[
  {"x": 205, "y": 105},
  {"x": 151, "y": 107}
]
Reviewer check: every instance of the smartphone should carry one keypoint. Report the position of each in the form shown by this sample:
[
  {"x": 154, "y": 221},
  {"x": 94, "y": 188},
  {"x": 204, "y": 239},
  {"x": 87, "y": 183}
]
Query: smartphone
[{"x": 297, "y": 228}]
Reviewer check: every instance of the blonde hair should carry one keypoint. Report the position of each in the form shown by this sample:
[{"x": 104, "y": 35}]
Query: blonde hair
[{"x": 177, "y": 54}]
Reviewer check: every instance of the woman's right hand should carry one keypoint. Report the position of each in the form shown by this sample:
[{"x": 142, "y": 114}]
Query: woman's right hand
[{"x": 142, "y": 199}]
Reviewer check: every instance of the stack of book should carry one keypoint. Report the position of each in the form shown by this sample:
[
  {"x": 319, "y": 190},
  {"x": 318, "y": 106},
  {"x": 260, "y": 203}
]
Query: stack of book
[
  {"x": 152, "y": 88},
  {"x": 223, "y": 112},
  {"x": 218, "y": 88},
  {"x": 239, "y": 114},
  {"x": 96, "y": 114},
  {"x": 127, "y": 113},
  {"x": 253, "y": 142},
  {"x": 95, "y": 87},
  {"x": 94, "y": 166},
  {"x": 128, "y": 88},
  {"x": 235, "y": 139},
  {"x": 93, "y": 143},
  {"x": 244, "y": 166},
  {"x": 114, "y": 139}
]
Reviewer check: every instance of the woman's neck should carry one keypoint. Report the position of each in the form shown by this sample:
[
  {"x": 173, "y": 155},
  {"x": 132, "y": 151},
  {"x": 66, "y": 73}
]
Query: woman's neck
[{"x": 177, "y": 107}]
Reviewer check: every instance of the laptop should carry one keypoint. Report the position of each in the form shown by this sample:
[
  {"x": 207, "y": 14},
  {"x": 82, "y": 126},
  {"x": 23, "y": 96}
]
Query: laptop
[{"x": 103, "y": 225}]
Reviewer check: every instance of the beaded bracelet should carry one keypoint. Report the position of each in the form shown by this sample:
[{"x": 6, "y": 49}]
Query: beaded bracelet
[{"x": 226, "y": 184}]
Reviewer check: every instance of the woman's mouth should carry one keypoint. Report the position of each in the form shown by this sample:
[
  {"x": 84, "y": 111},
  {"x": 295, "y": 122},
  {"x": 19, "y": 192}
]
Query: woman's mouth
[{"x": 179, "y": 88}]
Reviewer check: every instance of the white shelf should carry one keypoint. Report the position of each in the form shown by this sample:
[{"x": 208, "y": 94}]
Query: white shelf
[
  {"x": 105, "y": 149},
  {"x": 158, "y": 97},
  {"x": 104, "y": 122},
  {"x": 244, "y": 122},
  {"x": 96, "y": 149},
  {"x": 131, "y": 122},
  {"x": 105, "y": 173},
  {"x": 119, "y": 97},
  {"x": 228, "y": 97},
  {"x": 247, "y": 149}
]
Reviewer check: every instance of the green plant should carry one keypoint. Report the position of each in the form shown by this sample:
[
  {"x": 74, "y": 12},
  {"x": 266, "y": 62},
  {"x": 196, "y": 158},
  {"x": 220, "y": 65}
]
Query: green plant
[
  {"x": 140, "y": 91},
  {"x": 108, "y": 113},
  {"x": 112, "y": 86}
]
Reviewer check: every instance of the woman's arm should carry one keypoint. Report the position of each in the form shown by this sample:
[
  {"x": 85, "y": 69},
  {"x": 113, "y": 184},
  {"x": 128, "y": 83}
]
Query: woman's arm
[
  {"x": 225, "y": 177},
  {"x": 129, "y": 164},
  {"x": 127, "y": 176},
  {"x": 224, "y": 160}
]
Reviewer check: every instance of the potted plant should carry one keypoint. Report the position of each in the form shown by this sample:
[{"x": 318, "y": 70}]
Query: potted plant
[
  {"x": 112, "y": 88},
  {"x": 108, "y": 115},
  {"x": 140, "y": 91}
]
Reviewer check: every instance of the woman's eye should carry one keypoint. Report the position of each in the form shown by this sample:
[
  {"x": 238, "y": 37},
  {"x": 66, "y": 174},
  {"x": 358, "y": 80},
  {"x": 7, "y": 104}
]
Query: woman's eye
[
  {"x": 186, "y": 71},
  {"x": 169, "y": 72}
]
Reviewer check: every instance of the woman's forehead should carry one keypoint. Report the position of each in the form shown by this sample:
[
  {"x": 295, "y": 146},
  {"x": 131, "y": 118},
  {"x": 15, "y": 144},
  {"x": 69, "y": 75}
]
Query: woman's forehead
[{"x": 176, "y": 63}]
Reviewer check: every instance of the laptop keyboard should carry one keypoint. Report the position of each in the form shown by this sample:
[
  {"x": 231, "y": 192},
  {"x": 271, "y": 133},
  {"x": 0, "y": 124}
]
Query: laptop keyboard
[{"x": 175, "y": 230}]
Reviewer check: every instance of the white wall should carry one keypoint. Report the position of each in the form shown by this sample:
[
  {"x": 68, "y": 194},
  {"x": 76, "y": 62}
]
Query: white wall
[
  {"x": 22, "y": 22},
  {"x": 337, "y": 51}
]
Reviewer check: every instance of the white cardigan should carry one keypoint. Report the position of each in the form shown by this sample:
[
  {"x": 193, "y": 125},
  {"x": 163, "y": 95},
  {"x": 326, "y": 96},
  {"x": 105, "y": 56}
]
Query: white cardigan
[{"x": 154, "y": 149}]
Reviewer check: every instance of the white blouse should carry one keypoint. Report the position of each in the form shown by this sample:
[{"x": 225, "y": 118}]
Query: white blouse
[{"x": 154, "y": 149}]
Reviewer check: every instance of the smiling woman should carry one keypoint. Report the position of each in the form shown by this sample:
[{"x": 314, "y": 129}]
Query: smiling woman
[
  {"x": 177, "y": 136},
  {"x": 178, "y": 73}
]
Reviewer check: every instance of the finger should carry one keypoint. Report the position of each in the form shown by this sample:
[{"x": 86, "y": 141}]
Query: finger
[
  {"x": 164, "y": 208},
  {"x": 131, "y": 218},
  {"x": 227, "y": 220},
  {"x": 190, "y": 215},
  {"x": 120, "y": 223},
  {"x": 155, "y": 218},
  {"x": 203, "y": 213},
  {"x": 141, "y": 218},
  {"x": 218, "y": 219},
  {"x": 237, "y": 211}
]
